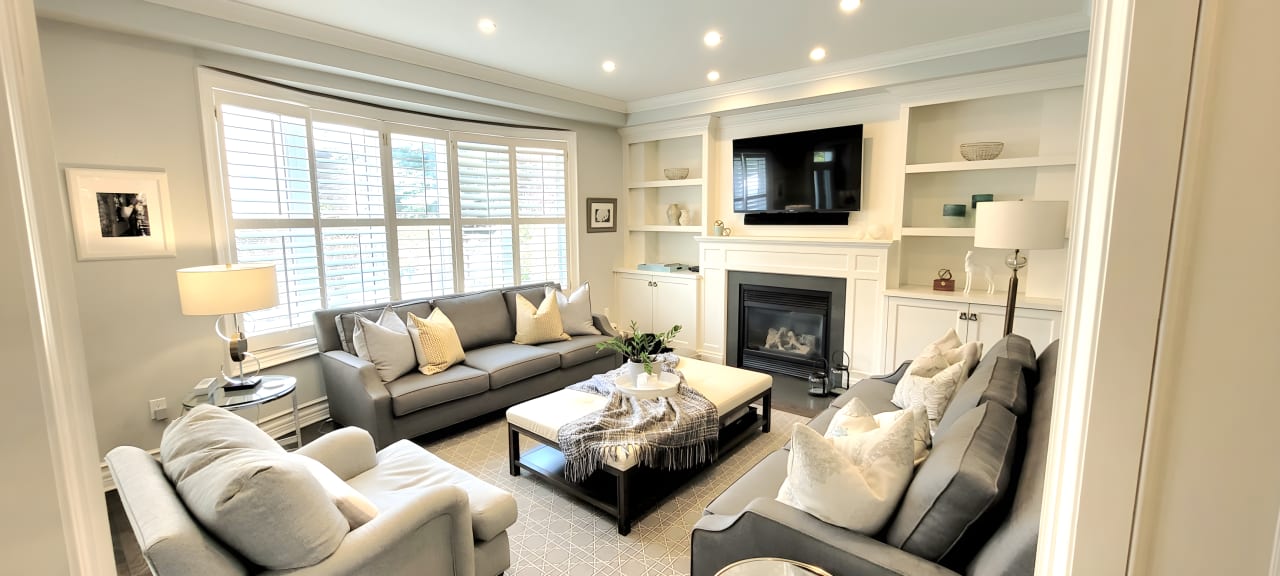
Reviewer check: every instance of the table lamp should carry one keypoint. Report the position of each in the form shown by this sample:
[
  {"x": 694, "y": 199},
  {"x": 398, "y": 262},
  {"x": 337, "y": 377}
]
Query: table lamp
[
  {"x": 1018, "y": 226},
  {"x": 229, "y": 289}
]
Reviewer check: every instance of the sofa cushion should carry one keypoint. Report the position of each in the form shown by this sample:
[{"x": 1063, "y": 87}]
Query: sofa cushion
[
  {"x": 876, "y": 394},
  {"x": 761, "y": 481},
  {"x": 480, "y": 319},
  {"x": 345, "y": 322},
  {"x": 822, "y": 421},
  {"x": 1017, "y": 348},
  {"x": 415, "y": 390},
  {"x": 1012, "y": 549},
  {"x": 1001, "y": 382},
  {"x": 404, "y": 469},
  {"x": 507, "y": 363},
  {"x": 967, "y": 473},
  {"x": 578, "y": 350}
]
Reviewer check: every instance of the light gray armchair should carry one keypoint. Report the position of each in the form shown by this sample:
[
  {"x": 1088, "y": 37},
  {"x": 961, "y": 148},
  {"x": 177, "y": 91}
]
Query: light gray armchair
[{"x": 433, "y": 518}]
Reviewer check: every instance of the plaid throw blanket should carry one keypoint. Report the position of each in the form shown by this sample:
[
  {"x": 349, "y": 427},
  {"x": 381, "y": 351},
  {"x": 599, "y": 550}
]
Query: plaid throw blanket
[{"x": 674, "y": 433}]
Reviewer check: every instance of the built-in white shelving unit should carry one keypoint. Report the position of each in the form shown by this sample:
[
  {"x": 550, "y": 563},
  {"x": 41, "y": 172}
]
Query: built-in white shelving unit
[{"x": 997, "y": 164}]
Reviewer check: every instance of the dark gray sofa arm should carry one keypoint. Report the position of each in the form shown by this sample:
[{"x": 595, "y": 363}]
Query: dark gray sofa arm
[
  {"x": 768, "y": 528},
  {"x": 895, "y": 376},
  {"x": 602, "y": 324},
  {"x": 357, "y": 396}
]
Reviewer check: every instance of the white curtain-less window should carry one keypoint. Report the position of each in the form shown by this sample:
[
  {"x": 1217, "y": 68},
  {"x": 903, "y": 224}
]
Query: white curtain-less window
[{"x": 356, "y": 211}]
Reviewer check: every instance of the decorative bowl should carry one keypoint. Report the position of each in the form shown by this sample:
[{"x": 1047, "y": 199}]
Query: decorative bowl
[
  {"x": 675, "y": 173},
  {"x": 981, "y": 150},
  {"x": 643, "y": 385}
]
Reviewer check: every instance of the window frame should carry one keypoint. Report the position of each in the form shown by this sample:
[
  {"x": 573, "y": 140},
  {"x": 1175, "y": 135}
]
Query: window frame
[{"x": 217, "y": 88}]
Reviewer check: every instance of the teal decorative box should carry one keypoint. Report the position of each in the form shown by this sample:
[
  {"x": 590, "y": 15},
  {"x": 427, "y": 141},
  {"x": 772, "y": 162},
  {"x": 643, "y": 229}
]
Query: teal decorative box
[
  {"x": 674, "y": 267},
  {"x": 981, "y": 198}
]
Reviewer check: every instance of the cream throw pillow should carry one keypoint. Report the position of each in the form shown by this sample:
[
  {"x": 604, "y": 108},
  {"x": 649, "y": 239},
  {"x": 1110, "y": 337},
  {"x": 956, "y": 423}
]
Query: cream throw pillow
[
  {"x": 386, "y": 344},
  {"x": 575, "y": 311},
  {"x": 852, "y": 419},
  {"x": 354, "y": 506},
  {"x": 853, "y": 481},
  {"x": 439, "y": 341},
  {"x": 934, "y": 393},
  {"x": 930, "y": 361},
  {"x": 540, "y": 324}
]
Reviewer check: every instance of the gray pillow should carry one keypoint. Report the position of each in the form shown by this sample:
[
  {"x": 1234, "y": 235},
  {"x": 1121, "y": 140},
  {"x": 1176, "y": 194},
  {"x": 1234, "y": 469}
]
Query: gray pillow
[
  {"x": 387, "y": 344},
  {"x": 197, "y": 439},
  {"x": 575, "y": 311}
]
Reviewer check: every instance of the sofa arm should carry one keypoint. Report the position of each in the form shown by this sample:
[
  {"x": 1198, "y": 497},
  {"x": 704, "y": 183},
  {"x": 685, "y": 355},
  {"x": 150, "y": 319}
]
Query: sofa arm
[
  {"x": 602, "y": 324},
  {"x": 347, "y": 452},
  {"x": 894, "y": 376},
  {"x": 426, "y": 533},
  {"x": 357, "y": 396},
  {"x": 768, "y": 528}
]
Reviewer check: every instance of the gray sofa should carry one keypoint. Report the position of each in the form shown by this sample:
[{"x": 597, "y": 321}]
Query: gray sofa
[
  {"x": 495, "y": 375},
  {"x": 973, "y": 506}
]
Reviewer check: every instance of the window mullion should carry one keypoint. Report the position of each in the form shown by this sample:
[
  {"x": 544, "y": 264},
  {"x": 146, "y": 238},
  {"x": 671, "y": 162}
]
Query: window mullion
[
  {"x": 515, "y": 217},
  {"x": 455, "y": 215},
  {"x": 316, "y": 219},
  {"x": 389, "y": 213}
]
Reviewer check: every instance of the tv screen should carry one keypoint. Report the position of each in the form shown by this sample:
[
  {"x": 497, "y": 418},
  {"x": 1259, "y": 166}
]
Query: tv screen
[{"x": 813, "y": 171}]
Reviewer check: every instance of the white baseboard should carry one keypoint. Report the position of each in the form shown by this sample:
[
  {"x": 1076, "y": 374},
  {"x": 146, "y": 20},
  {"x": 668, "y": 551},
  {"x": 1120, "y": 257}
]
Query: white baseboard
[{"x": 277, "y": 425}]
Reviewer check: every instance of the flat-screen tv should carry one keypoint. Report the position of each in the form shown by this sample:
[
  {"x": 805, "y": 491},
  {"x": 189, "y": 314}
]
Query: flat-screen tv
[{"x": 812, "y": 171}]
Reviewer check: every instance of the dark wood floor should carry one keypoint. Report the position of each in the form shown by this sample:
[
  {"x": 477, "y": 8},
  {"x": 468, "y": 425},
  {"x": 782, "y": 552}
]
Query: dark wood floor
[{"x": 791, "y": 394}]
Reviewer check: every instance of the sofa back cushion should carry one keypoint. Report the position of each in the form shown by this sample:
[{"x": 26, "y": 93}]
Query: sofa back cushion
[
  {"x": 533, "y": 293},
  {"x": 1012, "y": 549},
  {"x": 343, "y": 320},
  {"x": 967, "y": 473},
  {"x": 1002, "y": 382},
  {"x": 480, "y": 319},
  {"x": 1017, "y": 348}
]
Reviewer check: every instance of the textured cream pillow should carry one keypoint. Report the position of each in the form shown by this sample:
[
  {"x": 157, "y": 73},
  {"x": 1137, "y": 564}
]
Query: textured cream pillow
[
  {"x": 439, "y": 340},
  {"x": 852, "y": 419},
  {"x": 854, "y": 481},
  {"x": 540, "y": 324},
  {"x": 931, "y": 360},
  {"x": 575, "y": 311},
  {"x": 934, "y": 393},
  {"x": 386, "y": 344},
  {"x": 353, "y": 505}
]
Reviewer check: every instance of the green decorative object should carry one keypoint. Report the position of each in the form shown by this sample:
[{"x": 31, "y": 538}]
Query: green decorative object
[
  {"x": 982, "y": 198},
  {"x": 953, "y": 210},
  {"x": 640, "y": 347}
]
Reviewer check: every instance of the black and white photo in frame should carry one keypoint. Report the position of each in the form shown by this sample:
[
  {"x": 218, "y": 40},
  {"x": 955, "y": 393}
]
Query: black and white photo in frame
[
  {"x": 602, "y": 214},
  {"x": 120, "y": 213}
]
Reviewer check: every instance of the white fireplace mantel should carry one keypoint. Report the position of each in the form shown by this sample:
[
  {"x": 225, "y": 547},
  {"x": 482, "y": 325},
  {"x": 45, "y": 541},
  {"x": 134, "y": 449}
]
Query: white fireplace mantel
[{"x": 863, "y": 264}]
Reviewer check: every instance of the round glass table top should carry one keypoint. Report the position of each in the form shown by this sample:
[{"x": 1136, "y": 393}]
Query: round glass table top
[
  {"x": 771, "y": 567},
  {"x": 271, "y": 388}
]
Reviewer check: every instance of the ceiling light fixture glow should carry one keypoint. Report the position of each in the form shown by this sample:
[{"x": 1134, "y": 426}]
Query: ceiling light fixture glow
[
  {"x": 486, "y": 26},
  {"x": 818, "y": 54},
  {"x": 609, "y": 66},
  {"x": 850, "y": 5},
  {"x": 712, "y": 38},
  {"x": 713, "y": 75}
]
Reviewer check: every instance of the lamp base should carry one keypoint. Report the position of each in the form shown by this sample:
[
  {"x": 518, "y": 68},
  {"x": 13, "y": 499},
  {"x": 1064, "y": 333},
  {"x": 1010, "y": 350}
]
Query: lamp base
[{"x": 235, "y": 384}]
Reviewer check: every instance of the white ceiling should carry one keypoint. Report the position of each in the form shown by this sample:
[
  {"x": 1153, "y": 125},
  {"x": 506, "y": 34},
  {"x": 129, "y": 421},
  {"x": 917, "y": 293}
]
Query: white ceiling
[{"x": 658, "y": 46}]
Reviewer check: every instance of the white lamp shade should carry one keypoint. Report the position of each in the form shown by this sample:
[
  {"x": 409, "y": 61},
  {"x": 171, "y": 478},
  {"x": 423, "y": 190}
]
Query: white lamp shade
[
  {"x": 1025, "y": 225},
  {"x": 227, "y": 289}
]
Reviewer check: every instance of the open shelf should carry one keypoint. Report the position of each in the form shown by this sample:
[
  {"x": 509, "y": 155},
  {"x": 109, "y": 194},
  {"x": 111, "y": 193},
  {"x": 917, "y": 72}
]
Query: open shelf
[
  {"x": 997, "y": 164},
  {"x": 666, "y": 183},
  {"x": 666, "y": 228},
  {"x": 942, "y": 232}
]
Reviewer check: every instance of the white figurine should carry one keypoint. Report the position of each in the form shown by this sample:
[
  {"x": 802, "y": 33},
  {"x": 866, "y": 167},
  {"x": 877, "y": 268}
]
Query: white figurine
[{"x": 970, "y": 268}]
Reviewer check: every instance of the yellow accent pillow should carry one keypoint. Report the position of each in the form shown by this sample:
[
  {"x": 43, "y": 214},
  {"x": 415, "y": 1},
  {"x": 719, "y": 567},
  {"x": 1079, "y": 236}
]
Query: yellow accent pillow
[
  {"x": 541, "y": 324},
  {"x": 439, "y": 342}
]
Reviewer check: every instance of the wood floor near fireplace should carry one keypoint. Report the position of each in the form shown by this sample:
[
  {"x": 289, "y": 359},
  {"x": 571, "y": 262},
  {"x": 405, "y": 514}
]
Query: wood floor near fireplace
[{"x": 791, "y": 394}]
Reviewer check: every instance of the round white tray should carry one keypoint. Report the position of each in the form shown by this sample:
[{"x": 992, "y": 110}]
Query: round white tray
[{"x": 660, "y": 385}]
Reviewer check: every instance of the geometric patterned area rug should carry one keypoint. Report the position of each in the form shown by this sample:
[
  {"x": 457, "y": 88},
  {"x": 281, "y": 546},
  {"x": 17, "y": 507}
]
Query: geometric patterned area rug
[{"x": 557, "y": 534}]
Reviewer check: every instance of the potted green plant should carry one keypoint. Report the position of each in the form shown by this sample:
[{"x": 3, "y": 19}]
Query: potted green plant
[{"x": 638, "y": 347}]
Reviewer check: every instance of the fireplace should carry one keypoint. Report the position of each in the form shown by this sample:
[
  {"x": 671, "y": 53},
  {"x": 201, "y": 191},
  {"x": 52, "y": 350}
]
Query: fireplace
[{"x": 784, "y": 324}]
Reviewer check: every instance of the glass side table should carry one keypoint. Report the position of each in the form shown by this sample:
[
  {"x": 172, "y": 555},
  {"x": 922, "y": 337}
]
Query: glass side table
[
  {"x": 271, "y": 388},
  {"x": 771, "y": 567}
]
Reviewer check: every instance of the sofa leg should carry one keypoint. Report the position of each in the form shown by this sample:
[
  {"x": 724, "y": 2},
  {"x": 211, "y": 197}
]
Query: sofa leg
[
  {"x": 513, "y": 450},
  {"x": 767, "y": 408}
]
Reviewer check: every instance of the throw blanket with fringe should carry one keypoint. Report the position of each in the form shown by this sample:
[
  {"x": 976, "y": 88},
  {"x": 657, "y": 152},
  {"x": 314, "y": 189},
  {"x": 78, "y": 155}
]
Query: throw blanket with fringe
[{"x": 674, "y": 433}]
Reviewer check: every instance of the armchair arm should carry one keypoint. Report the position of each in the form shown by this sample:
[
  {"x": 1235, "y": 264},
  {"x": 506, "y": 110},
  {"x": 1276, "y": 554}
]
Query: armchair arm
[
  {"x": 768, "y": 528},
  {"x": 357, "y": 396},
  {"x": 602, "y": 324},
  {"x": 426, "y": 533},
  {"x": 346, "y": 451}
]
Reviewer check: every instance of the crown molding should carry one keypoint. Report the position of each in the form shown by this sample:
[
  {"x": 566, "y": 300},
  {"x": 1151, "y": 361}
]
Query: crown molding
[{"x": 667, "y": 129}]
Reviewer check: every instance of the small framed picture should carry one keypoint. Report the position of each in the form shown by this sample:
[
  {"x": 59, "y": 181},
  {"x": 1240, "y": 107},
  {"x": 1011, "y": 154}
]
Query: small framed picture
[
  {"x": 120, "y": 214},
  {"x": 602, "y": 214}
]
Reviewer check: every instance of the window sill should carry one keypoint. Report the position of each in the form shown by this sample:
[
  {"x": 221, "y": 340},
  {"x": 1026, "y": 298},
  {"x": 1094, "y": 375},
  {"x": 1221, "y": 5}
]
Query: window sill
[{"x": 277, "y": 355}]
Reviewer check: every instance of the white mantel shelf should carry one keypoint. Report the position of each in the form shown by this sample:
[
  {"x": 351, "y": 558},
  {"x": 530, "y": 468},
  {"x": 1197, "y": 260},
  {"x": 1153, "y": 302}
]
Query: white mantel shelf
[
  {"x": 974, "y": 297},
  {"x": 811, "y": 240}
]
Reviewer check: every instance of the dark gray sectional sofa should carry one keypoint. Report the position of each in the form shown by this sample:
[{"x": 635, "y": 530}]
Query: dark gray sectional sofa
[
  {"x": 495, "y": 375},
  {"x": 973, "y": 506}
]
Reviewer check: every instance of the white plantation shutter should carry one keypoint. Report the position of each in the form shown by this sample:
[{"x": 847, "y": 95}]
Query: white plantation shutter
[
  {"x": 421, "y": 168},
  {"x": 426, "y": 261},
  {"x": 293, "y": 251},
  {"x": 348, "y": 171},
  {"x": 484, "y": 180},
  {"x": 540, "y": 182},
  {"x": 356, "y": 266},
  {"x": 544, "y": 254},
  {"x": 487, "y": 260},
  {"x": 267, "y": 164}
]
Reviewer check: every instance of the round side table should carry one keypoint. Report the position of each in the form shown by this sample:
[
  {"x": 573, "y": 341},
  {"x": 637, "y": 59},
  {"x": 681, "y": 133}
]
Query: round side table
[
  {"x": 271, "y": 388},
  {"x": 771, "y": 567}
]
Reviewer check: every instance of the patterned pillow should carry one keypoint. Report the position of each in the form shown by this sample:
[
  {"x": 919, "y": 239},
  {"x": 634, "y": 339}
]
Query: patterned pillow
[
  {"x": 535, "y": 325},
  {"x": 438, "y": 343},
  {"x": 930, "y": 361},
  {"x": 851, "y": 419},
  {"x": 934, "y": 393}
]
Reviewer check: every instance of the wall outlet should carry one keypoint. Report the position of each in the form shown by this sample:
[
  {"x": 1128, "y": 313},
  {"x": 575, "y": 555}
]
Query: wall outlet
[{"x": 159, "y": 409}]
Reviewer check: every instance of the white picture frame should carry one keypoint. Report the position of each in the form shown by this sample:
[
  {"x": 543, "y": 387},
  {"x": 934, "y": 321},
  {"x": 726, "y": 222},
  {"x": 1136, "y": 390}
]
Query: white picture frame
[{"x": 120, "y": 214}]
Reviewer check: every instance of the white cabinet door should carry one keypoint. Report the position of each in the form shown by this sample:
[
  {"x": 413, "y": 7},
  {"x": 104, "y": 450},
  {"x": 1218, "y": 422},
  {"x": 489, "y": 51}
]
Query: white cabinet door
[
  {"x": 1038, "y": 326},
  {"x": 914, "y": 324},
  {"x": 634, "y": 299},
  {"x": 676, "y": 302}
]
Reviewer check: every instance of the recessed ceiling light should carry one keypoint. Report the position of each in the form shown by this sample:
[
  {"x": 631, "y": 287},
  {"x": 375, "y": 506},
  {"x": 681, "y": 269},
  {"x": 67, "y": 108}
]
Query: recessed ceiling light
[
  {"x": 609, "y": 66},
  {"x": 713, "y": 75},
  {"x": 850, "y": 5},
  {"x": 817, "y": 54},
  {"x": 486, "y": 25},
  {"x": 712, "y": 38}
]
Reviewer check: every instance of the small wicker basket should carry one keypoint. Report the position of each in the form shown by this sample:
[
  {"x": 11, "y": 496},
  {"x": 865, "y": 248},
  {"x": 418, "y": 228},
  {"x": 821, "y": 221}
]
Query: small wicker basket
[
  {"x": 981, "y": 150},
  {"x": 675, "y": 173}
]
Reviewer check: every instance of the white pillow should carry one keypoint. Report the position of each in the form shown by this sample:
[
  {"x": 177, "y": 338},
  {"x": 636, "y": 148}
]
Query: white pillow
[
  {"x": 852, "y": 419},
  {"x": 934, "y": 393},
  {"x": 386, "y": 344},
  {"x": 854, "y": 481},
  {"x": 930, "y": 361},
  {"x": 353, "y": 505},
  {"x": 969, "y": 355},
  {"x": 536, "y": 325},
  {"x": 575, "y": 311}
]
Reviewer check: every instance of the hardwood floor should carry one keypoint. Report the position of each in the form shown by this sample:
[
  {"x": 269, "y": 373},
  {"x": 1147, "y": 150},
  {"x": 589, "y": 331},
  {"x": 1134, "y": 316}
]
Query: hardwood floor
[{"x": 791, "y": 394}]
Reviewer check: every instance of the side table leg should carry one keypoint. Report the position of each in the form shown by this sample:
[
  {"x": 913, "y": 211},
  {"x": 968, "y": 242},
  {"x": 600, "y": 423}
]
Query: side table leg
[{"x": 297, "y": 428}]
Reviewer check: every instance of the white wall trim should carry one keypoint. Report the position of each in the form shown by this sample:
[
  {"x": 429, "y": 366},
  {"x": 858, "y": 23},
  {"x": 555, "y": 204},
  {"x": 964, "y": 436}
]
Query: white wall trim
[
  {"x": 1275, "y": 551},
  {"x": 277, "y": 425}
]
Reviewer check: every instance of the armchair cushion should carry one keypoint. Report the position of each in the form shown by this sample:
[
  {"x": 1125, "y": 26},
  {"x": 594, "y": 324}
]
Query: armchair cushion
[
  {"x": 357, "y": 509},
  {"x": 578, "y": 350},
  {"x": 415, "y": 391},
  {"x": 507, "y": 363},
  {"x": 346, "y": 451}
]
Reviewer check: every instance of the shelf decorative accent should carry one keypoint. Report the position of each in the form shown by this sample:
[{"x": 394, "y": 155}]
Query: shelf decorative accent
[
  {"x": 678, "y": 173},
  {"x": 981, "y": 150},
  {"x": 673, "y": 214}
]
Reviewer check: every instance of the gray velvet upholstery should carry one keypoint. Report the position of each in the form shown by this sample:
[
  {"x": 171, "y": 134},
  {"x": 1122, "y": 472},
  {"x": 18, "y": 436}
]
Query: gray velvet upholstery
[
  {"x": 1016, "y": 347},
  {"x": 577, "y": 350},
  {"x": 876, "y": 394},
  {"x": 763, "y": 479},
  {"x": 415, "y": 390},
  {"x": 534, "y": 295},
  {"x": 1005, "y": 384},
  {"x": 507, "y": 363},
  {"x": 480, "y": 319}
]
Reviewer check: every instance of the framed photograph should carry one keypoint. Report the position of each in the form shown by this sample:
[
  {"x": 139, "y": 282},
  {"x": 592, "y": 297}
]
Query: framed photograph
[
  {"x": 120, "y": 213},
  {"x": 602, "y": 214}
]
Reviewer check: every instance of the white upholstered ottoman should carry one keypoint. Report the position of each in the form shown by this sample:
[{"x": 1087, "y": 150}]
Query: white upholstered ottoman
[{"x": 731, "y": 390}]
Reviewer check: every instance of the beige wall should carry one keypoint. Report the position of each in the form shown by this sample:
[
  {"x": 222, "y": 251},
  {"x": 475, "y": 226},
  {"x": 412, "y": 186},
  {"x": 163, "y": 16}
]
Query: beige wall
[
  {"x": 1211, "y": 486},
  {"x": 125, "y": 101}
]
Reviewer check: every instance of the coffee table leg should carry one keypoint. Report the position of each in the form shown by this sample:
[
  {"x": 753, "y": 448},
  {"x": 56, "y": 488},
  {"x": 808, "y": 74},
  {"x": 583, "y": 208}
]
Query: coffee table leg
[
  {"x": 624, "y": 505},
  {"x": 513, "y": 450},
  {"x": 767, "y": 402}
]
